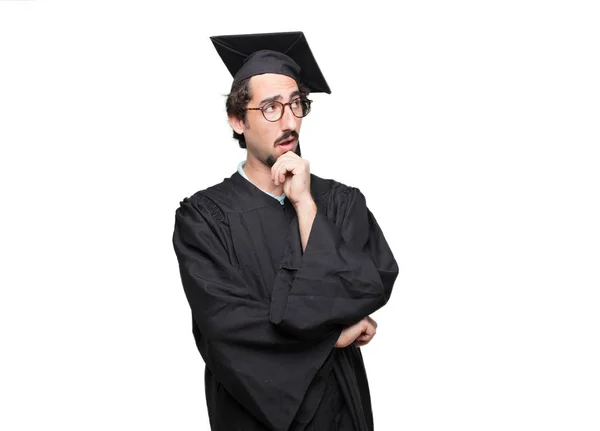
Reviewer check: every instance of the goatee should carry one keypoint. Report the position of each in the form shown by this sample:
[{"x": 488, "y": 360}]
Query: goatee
[{"x": 271, "y": 159}]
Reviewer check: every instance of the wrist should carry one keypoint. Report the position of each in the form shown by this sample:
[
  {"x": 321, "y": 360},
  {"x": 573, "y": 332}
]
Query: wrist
[{"x": 305, "y": 203}]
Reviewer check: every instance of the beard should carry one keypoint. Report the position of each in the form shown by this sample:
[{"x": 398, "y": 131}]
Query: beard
[{"x": 271, "y": 159}]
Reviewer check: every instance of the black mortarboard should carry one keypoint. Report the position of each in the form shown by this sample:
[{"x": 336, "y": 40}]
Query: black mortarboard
[{"x": 287, "y": 53}]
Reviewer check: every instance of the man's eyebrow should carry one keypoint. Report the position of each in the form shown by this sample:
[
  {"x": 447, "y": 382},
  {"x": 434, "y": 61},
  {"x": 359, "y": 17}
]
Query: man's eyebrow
[
  {"x": 278, "y": 97},
  {"x": 270, "y": 99}
]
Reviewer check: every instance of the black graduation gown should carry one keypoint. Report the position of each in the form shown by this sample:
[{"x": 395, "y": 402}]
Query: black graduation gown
[{"x": 266, "y": 315}]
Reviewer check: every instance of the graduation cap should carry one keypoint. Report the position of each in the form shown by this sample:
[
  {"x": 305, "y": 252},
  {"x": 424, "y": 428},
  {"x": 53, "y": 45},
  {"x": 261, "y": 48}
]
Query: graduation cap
[{"x": 286, "y": 53}]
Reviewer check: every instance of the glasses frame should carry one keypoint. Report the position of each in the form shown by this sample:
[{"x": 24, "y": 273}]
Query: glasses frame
[{"x": 283, "y": 108}]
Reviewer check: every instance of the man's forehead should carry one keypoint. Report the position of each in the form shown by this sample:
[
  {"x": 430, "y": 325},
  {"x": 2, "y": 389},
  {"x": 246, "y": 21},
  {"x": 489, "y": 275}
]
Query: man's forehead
[{"x": 271, "y": 84}]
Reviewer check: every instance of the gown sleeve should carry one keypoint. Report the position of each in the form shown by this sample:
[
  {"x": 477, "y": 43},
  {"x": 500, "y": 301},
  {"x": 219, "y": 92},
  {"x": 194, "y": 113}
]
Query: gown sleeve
[
  {"x": 346, "y": 272},
  {"x": 266, "y": 370}
]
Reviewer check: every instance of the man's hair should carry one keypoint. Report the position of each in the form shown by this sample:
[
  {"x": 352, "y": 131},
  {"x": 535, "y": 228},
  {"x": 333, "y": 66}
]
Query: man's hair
[{"x": 237, "y": 101}]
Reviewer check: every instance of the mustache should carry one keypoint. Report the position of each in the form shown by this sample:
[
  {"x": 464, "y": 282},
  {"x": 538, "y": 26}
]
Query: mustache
[{"x": 286, "y": 136}]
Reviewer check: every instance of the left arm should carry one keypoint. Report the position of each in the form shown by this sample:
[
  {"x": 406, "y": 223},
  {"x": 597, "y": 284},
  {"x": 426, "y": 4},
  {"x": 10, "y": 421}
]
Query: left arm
[{"x": 346, "y": 272}]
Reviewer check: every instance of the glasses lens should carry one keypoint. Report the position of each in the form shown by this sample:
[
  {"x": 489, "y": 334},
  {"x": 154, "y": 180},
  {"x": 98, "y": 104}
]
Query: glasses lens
[
  {"x": 300, "y": 107},
  {"x": 272, "y": 111}
]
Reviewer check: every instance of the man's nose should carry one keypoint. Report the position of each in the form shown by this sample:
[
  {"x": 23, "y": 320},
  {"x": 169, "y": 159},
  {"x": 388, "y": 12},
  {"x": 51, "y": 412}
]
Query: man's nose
[{"x": 288, "y": 120}]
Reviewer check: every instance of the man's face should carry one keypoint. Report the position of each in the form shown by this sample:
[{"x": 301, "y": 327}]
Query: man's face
[{"x": 266, "y": 140}]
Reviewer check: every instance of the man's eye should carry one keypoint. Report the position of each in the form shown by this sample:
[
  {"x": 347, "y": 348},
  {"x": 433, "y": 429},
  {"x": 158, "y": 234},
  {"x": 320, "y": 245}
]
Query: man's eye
[{"x": 269, "y": 108}]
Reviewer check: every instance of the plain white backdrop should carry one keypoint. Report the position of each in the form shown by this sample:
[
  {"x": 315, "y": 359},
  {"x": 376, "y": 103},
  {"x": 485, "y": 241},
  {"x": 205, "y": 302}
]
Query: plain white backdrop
[{"x": 471, "y": 127}]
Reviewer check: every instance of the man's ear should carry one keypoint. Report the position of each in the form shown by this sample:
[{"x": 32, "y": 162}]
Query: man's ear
[{"x": 236, "y": 124}]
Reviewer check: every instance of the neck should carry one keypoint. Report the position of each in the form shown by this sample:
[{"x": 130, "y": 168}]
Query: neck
[{"x": 260, "y": 175}]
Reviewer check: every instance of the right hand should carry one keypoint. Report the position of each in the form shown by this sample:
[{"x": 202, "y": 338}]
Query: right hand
[{"x": 362, "y": 332}]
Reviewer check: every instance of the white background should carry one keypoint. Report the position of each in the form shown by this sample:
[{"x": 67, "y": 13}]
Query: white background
[{"x": 472, "y": 128}]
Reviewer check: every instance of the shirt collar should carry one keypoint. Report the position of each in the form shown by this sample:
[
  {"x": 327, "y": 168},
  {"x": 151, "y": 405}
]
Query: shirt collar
[{"x": 281, "y": 198}]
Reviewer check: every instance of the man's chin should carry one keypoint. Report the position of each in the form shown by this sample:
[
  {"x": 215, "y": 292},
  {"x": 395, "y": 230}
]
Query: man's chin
[{"x": 272, "y": 158}]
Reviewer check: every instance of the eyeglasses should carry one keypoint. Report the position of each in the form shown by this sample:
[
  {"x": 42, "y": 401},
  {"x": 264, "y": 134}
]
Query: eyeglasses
[{"x": 273, "y": 111}]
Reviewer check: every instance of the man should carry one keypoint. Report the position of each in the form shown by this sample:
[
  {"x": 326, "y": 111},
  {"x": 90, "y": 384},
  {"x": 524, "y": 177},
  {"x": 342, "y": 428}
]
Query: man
[{"x": 281, "y": 268}]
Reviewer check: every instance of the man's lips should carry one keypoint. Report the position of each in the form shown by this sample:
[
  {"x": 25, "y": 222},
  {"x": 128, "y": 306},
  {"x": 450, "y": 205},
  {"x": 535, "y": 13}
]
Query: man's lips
[{"x": 286, "y": 142}]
